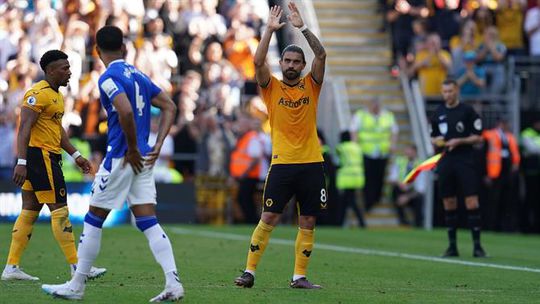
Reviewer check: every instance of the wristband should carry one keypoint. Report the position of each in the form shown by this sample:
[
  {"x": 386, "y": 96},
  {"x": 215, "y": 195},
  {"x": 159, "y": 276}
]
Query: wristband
[
  {"x": 21, "y": 161},
  {"x": 303, "y": 28},
  {"x": 76, "y": 154}
]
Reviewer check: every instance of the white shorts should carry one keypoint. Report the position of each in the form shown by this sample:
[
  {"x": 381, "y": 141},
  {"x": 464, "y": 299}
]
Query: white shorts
[{"x": 111, "y": 189}]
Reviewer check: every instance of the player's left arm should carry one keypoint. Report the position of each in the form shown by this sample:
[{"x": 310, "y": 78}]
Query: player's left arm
[
  {"x": 168, "y": 113},
  {"x": 318, "y": 65},
  {"x": 67, "y": 146}
]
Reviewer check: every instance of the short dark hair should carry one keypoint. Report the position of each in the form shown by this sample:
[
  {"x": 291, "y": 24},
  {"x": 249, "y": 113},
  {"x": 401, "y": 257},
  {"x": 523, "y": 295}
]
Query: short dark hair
[
  {"x": 448, "y": 81},
  {"x": 295, "y": 49},
  {"x": 110, "y": 38},
  {"x": 51, "y": 56}
]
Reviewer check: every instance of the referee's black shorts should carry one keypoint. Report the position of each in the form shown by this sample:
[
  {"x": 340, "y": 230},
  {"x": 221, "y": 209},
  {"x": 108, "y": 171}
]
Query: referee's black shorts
[
  {"x": 305, "y": 181},
  {"x": 457, "y": 175},
  {"x": 44, "y": 176}
]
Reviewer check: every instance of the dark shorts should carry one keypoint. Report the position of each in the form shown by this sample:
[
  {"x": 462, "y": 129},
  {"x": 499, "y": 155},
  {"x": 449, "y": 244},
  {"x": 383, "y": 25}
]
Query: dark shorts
[
  {"x": 457, "y": 175},
  {"x": 305, "y": 181},
  {"x": 44, "y": 176}
]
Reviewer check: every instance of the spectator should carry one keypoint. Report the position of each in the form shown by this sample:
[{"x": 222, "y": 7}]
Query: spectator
[
  {"x": 509, "y": 17},
  {"x": 530, "y": 213},
  {"x": 400, "y": 16},
  {"x": 350, "y": 177},
  {"x": 420, "y": 29},
  {"x": 532, "y": 27},
  {"x": 376, "y": 130},
  {"x": 246, "y": 166},
  {"x": 468, "y": 40},
  {"x": 445, "y": 20},
  {"x": 432, "y": 66},
  {"x": 407, "y": 196},
  {"x": 471, "y": 79},
  {"x": 490, "y": 55},
  {"x": 240, "y": 46},
  {"x": 484, "y": 17},
  {"x": 502, "y": 165}
]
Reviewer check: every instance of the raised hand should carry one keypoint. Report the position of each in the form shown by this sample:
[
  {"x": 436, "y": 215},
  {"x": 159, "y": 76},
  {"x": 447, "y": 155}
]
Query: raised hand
[
  {"x": 274, "y": 23},
  {"x": 294, "y": 18}
]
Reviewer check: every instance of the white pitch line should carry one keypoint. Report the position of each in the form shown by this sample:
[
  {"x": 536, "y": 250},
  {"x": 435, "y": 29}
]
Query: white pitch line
[{"x": 336, "y": 248}]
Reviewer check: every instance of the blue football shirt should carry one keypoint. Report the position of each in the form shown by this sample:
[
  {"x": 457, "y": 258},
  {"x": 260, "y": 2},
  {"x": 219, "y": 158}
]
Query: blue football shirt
[{"x": 121, "y": 77}]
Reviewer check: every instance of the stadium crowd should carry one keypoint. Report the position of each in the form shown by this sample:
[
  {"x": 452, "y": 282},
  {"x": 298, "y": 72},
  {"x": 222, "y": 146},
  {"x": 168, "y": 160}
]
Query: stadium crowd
[
  {"x": 201, "y": 53},
  {"x": 470, "y": 41}
]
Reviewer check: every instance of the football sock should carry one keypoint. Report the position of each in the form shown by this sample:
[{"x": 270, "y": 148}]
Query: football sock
[
  {"x": 259, "y": 240},
  {"x": 161, "y": 247},
  {"x": 451, "y": 222},
  {"x": 474, "y": 220},
  {"x": 63, "y": 233},
  {"x": 303, "y": 248},
  {"x": 22, "y": 231},
  {"x": 89, "y": 245}
]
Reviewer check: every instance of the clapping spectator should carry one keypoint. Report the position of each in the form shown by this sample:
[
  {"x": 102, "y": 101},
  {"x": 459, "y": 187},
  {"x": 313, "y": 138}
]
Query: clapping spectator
[
  {"x": 471, "y": 78},
  {"x": 509, "y": 17},
  {"x": 490, "y": 55},
  {"x": 532, "y": 27},
  {"x": 432, "y": 66},
  {"x": 468, "y": 40}
]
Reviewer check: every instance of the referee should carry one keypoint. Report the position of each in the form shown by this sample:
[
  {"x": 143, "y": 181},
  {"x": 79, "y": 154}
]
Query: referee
[{"x": 455, "y": 128}]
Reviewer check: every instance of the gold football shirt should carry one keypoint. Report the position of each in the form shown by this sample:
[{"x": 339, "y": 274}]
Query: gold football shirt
[
  {"x": 292, "y": 111},
  {"x": 46, "y": 132}
]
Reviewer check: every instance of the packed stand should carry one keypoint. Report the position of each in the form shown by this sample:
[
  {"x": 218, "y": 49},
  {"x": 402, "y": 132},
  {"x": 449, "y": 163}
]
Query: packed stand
[
  {"x": 471, "y": 41},
  {"x": 198, "y": 51}
]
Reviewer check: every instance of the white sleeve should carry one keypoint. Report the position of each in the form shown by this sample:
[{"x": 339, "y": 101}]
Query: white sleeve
[{"x": 255, "y": 148}]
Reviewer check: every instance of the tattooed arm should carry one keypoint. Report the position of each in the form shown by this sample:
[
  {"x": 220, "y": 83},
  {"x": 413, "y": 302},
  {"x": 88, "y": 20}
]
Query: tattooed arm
[{"x": 318, "y": 65}]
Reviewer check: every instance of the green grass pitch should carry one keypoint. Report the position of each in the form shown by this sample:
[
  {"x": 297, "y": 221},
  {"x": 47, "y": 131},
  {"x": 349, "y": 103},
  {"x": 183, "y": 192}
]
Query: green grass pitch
[{"x": 209, "y": 258}]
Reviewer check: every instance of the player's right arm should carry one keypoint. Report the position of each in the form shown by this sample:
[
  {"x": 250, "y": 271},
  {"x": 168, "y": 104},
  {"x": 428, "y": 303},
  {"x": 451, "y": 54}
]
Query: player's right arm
[
  {"x": 127, "y": 123},
  {"x": 262, "y": 70},
  {"x": 28, "y": 119}
]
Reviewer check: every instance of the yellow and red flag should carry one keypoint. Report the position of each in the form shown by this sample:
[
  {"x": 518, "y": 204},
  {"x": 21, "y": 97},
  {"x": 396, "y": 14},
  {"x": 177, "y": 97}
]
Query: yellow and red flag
[{"x": 428, "y": 164}]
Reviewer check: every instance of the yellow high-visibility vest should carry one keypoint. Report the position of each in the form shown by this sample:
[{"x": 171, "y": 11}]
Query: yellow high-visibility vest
[
  {"x": 350, "y": 174},
  {"x": 375, "y": 132}
]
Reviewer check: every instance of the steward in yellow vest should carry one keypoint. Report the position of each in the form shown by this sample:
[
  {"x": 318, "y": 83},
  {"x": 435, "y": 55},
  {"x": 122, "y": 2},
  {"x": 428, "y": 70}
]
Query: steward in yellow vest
[{"x": 350, "y": 176}]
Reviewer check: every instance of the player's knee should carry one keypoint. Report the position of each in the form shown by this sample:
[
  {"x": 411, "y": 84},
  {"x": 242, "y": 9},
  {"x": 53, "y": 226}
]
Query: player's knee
[
  {"x": 307, "y": 222},
  {"x": 450, "y": 203},
  {"x": 94, "y": 220},
  {"x": 145, "y": 222},
  {"x": 471, "y": 202},
  {"x": 270, "y": 218}
]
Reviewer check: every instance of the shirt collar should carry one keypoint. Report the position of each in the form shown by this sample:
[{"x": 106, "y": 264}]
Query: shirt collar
[{"x": 115, "y": 61}]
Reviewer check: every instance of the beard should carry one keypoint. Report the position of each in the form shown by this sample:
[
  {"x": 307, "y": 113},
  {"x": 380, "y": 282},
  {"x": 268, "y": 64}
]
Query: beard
[{"x": 291, "y": 74}]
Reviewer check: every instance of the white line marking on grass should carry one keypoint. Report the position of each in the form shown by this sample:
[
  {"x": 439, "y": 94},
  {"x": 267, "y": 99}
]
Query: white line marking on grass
[{"x": 336, "y": 248}]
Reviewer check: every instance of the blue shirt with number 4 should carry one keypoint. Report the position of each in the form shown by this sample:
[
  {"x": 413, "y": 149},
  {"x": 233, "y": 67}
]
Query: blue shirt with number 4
[{"x": 121, "y": 77}]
